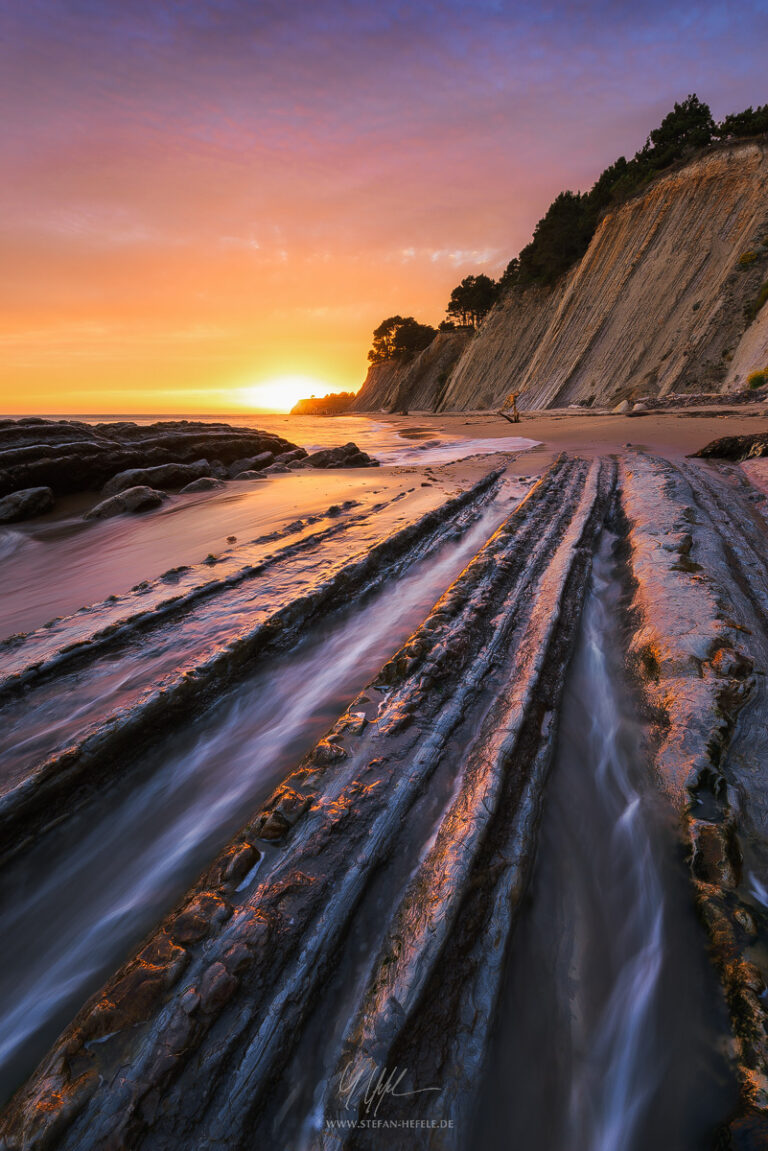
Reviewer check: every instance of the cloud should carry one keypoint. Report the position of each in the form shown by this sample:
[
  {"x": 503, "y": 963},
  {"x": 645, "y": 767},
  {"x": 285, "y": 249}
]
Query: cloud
[{"x": 250, "y": 157}]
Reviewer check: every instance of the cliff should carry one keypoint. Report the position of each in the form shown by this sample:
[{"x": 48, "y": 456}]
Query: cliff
[
  {"x": 751, "y": 353},
  {"x": 419, "y": 383},
  {"x": 658, "y": 302},
  {"x": 663, "y": 301},
  {"x": 497, "y": 357}
]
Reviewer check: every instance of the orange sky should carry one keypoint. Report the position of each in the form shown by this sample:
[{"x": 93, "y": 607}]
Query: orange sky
[{"x": 200, "y": 198}]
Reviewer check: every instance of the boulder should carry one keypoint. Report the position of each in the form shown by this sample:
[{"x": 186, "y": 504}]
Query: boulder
[
  {"x": 249, "y": 475},
  {"x": 138, "y": 499},
  {"x": 622, "y": 408},
  {"x": 24, "y": 504},
  {"x": 162, "y": 476},
  {"x": 287, "y": 457},
  {"x": 251, "y": 463},
  {"x": 347, "y": 456},
  {"x": 204, "y": 484},
  {"x": 274, "y": 468}
]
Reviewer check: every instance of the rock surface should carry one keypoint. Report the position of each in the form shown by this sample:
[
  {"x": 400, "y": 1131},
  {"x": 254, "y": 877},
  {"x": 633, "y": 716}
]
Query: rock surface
[
  {"x": 71, "y": 456},
  {"x": 735, "y": 448},
  {"x": 136, "y": 499},
  {"x": 416, "y": 384},
  {"x": 162, "y": 476},
  {"x": 658, "y": 304},
  {"x": 347, "y": 456},
  {"x": 203, "y": 484},
  {"x": 25, "y": 504},
  {"x": 191, "y": 1032}
]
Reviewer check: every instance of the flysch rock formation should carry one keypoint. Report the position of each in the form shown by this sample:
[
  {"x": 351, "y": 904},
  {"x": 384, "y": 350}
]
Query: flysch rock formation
[
  {"x": 419, "y": 383},
  {"x": 434, "y": 776},
  {"x": 313, "y": 564},
  {"x": 659, "y": 304}
]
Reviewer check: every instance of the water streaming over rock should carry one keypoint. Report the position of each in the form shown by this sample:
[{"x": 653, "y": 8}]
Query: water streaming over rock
[
  {"x": 608, "y": 1032},
  {"x": 86, "y": 893}
]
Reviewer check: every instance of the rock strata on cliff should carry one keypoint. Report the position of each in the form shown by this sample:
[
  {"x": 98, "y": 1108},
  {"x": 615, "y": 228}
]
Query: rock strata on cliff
[
  {"x": 665, "y": 300},
  {"x": 419, "y": 383},
  {"x": 658, "y": 302}
]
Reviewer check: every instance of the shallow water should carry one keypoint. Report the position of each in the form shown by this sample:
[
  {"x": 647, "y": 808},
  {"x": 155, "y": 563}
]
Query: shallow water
[
  {"x": 88, "y": 892},
  {"x": 611, "y": 1018},
  {"x": 58, "y": 563}
]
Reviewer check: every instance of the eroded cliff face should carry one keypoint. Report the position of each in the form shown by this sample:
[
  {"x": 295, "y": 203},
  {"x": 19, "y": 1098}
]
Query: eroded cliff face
[
  {"x": 417, "y": 384},
  {"x": 660, "y": 303},
  {"x": 751, "y": 353},
  {"x": 498, "y": 355}
]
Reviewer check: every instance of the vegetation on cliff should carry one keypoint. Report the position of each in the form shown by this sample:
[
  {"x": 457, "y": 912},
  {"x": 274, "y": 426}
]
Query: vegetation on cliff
[
  {"x": 400, "y": 338},
  {"x": 563, "y": 234},
  {"x": 472, "y": 300}
]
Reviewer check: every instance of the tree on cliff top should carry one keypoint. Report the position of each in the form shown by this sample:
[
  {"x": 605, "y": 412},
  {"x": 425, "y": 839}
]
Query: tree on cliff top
[
  {"x": 750, "y": 122},
  {"x": 399, "y": 338},
  {"x": 688, "y": 125},
  {"x": 473, "y": 299},
  {"x": 563, "y": 234}
]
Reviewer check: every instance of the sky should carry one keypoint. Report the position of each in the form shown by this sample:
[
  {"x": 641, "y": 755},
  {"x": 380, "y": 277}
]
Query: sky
[{"x": 208, "y": 205}]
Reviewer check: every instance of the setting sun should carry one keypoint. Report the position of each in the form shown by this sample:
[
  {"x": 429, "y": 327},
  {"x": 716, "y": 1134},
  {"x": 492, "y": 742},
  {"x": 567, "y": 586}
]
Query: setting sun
[{"x": 281, "y": 393}]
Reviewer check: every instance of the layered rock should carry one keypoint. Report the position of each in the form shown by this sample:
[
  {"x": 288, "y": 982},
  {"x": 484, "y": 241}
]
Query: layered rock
[
  {"x": 71, "y": 456},
  {"x": 419, "y": 383},
  {"x": 658, "y": 302},
  {"x": 663, "y": 301},
  {"x": 497, "y": 357}
]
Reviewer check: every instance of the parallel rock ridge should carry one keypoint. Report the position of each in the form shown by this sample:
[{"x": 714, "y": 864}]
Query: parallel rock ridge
[
  {"x": 700, "y": 565},
  {"x": 661, "y": 302},
  {"x": 432, "y": 780},
  {"x": 184, "y": 1042},
  {"x": 85, "y": 750}
]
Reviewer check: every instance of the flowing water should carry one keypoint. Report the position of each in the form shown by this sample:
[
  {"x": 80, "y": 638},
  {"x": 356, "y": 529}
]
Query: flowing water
[
  {"x": 611, "y": 1019},
  {"x": 91, "y": 889}
]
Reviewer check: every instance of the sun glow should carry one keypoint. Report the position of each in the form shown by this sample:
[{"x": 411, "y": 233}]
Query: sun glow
[{"x": 281, "y": 393}]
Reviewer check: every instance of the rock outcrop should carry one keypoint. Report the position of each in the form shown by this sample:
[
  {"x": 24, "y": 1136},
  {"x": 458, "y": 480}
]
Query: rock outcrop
[
  {"x": 498, "y": 355},
  {"x": 162, "y": 476},
  {"x": 657, "y": 303},
  {"x": 665, "y": 300},
  {"x": 25, "y": 504},
  {"x": 419, "y": 383},
  {"x": 71, "y": 456},
  {"x": 136, "y": 499}
]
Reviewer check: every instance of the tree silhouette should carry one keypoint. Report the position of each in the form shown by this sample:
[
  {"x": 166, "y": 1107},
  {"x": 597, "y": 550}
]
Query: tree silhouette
[
  {"x": 399, "y": 338},
  {"x": 473, "y": 299}
]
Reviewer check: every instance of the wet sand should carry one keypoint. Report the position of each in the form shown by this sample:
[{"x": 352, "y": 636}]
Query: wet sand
[{"x": 670, "y": 434}]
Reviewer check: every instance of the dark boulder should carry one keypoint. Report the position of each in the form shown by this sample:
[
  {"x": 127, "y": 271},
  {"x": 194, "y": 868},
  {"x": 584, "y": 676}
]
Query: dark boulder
[
  {"x": 25, "y": 504},
  {"x": 251, "y": 463},
  {"x": 249, "y": 474},
  {"x": 735, "y": 448},
  {"x": 203, "y": 484},
  {"x": 162, "y": 476},
  {"x": 348, "y": 456},
  {"x": 138, "y": 499},
  {"x": 72, "y": 456}
]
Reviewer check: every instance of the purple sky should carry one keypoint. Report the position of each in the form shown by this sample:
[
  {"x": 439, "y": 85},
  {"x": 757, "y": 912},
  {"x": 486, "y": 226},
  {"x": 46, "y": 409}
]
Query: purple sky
[{"x": 200, "y": 196}]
